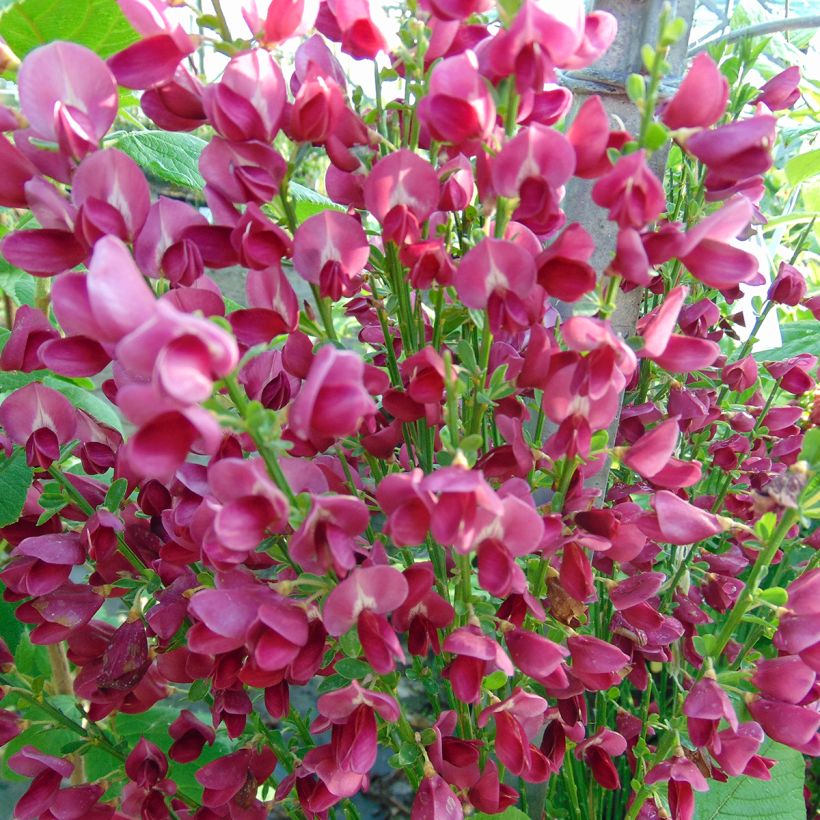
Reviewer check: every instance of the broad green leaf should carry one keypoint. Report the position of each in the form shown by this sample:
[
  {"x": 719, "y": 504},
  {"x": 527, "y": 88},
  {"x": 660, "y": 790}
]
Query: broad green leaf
[
  {"x": 512, "y": 813},
  {"x": 170, "y": 156},
  {"x": 307, "y": 203},
  {"x": 15, "y": 479},
  {"x": 803, "y": 166},
  {"x": 798, "y": 337},
  {"x": 96, "y": 24},
  {"x": 93, "y": 404},
  {"x": 781, "y": 798},
  {"x": 17, "y": 285}
]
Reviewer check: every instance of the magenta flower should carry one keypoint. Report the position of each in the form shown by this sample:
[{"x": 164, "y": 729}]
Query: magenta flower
[
  {"x": 146, "y": 765},
  {"x": 736, "y": 749},
  {"x": 682, "y": 776},
  {"x": 47, "y": 773},
  {"x": 435, "y": 800},
  {"x": 154, "y": 59},
  {"x": 782, "y": 91},
  {"x": 41, "y": 420},
  {"x": 596, "y": 663},
  {"x": 125, "y": 660},
  {"x": 705, "y": 706},
  {"x": 327, "y": 537},
  {"x": 534, "y": 166},
  {"x": 29, "y": 333},
  {"x": 230, "y": 782},
  {"x": 476, "y": 655},
  {"x": 363, "y": 598},
  {"x": 563, "y": 269},
  {"x": 401, "y": 191},
  {"x": 590, "y": 136},
  {"x": 597, "y": 752},
  {"x": 349, "y": 22},
  {"x": 680, "y": 522},
  {"x": 499, "y": 275},
  {"x": 423, "y": 611},
  {"x": 284, "y": 19},
  {"x": 333, "y": 400},
  {"x": 631, "y": 192},
  {"x": 458, "y": 108},
  {"x": 249, "y": 100},
  {"x": 176, "y": 104},
  {"x": 789, "y": 286},
  {"x": 330, "y": 250},
  {"x": 42, "y": 564},
  {"x": 75, "y": 105},
  {"x": 701, "y": 97}
]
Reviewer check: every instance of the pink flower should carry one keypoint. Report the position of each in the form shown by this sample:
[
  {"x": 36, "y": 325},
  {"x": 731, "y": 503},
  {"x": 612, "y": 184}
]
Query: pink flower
[
  {"x": 597, "y": 752},
  {"x": 789, "y": 286},
  {"x": 596, "y": 663},
  {"x": 29, "y": 333},
  {"x": 333, "y": 400},
  {"x": 534, "y": 165},
  {"x": 458, "y": 108},
  {"x": 705, "y": 706},
  {"x": 230, "y": 782},
  {"x": 631, "y": 192},
  {"x": 499, "y": 275},
  {"x": 349, "y": 23},
  {"x": 41, "y": 420},
  {"x": 154, "y": 59},
  {"x": 701, "y": 97},
  {"x": 782, "y": 91},
  {"x": 330, "y": 250},
  {"x": 407, "y": 506},
  {"x": 284, "y": 19},
  {"x": 401, "y": 192},
  {"x": 435, "y": 800},
  {"x": 249, "y": 100},
  {"x": 591, "y": 138},
  {"x": 563, "y": 268},
  {"x": 363, "y": 598},
  {"x": 176, "y": 104},
  {"x": 47, "y": 773},
  {"x": 68, "y": 96},
  {"x": 683, "y": 776},
  {"x": 680, "y": 522},
  {"x": 327, "y": 536},
  {"x": 423, "y": 612},
  {"x": 476, "y": 655},
  {"x": 190, "y": 736}
]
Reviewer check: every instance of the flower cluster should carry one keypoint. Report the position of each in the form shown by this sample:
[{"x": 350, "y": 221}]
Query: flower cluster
[{"x": 395, "y": 488}]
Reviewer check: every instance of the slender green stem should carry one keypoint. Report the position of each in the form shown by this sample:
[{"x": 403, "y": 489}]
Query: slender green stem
[
  {"x": 77, "y": 497},
  {"x": 761, "y": 566}
]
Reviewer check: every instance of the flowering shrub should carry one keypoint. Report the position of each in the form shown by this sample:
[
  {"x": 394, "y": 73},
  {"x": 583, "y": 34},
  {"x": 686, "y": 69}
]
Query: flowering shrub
[{"x": 243, "y": 539}]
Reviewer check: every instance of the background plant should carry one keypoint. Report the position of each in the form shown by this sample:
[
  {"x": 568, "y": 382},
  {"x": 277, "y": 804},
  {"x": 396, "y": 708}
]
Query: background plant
[{"x": 253, "y": 540}]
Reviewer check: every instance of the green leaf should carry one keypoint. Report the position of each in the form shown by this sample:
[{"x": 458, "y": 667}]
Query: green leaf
[
  {"x": 15, "y": 479},
  {"x": 512, "y": 813},
  {"x": 96, "y": 24},
  {"x": 171, "y": 156},
  {"x": 116, "y": 493},
  {"x": 307, "y": 202},
  {"x": 93, "y": 404},
  {"x": 811, "y": 447},
  {"x": 803, "y": 166},
  {"x": 11, "y": 630},
  {"x": 781, "y": 798},
  {"x": 798, "y": 337},
  {"x": 352, "y": 669}
]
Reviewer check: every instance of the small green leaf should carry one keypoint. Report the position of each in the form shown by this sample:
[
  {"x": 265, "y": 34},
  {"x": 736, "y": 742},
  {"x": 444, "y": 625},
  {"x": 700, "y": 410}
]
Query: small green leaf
[
  {"x": 495, "y": 680},
  {"x": 15, "y": 479},
  {"x": 656, "y": 136},
  {"x": 96, "y": 24},
  {"x": 170, "y": 156},
  {"x": 774, "y": 595},
  {"x": 199, "y": 690},
  {"x": 307, "y": 203},
  {"x": 635, "y": 87},
  {"x": 115, "y": 495},
  {"x": 811, "y": 447},
  {"x": 352, "y": 669}
]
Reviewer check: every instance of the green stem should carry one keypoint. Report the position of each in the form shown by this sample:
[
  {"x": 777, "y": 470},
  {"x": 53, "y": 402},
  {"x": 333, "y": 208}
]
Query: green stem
[
  {"x": 76, "y": 496},
  {"x": 761, "y": 566}
]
